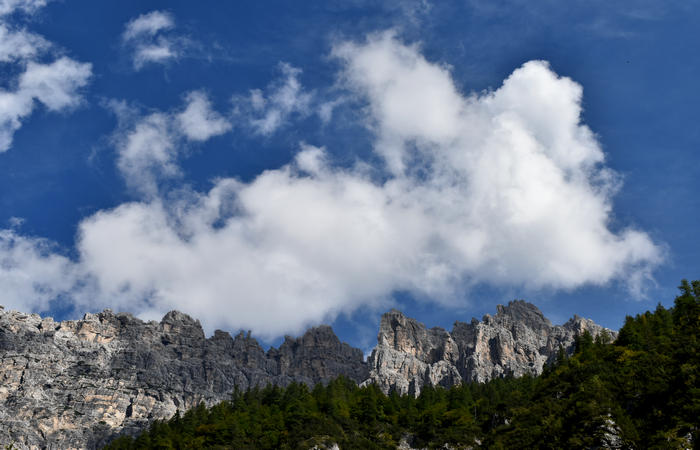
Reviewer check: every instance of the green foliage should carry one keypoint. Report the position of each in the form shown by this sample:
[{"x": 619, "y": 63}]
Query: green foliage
[
  {"x": 641, "y": 391},
  {"x": 644, "y": 388}
]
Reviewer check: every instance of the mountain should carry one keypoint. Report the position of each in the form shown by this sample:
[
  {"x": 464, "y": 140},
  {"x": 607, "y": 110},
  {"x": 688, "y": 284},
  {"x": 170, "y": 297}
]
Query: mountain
[
  {"x": 77, "y": 384},
  {"x": 516, "y": 341}
]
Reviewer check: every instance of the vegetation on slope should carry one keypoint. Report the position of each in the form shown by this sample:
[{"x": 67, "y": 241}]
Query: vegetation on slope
[{"x": 642, "y": 391}]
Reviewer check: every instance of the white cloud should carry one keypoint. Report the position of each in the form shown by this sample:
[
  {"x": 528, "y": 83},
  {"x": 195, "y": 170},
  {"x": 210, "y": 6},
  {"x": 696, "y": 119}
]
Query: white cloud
[
  {"x": 15, "y": 222},
  {"x": 506, "y": 187},
  {"x": 20, "y": 44},
  {"x": 56, "y": 85},
  {"x": 148, "y": 146},
  {"x": 295, "y": 254},
  {"x": 513, "y": 177},
  {"x": 31, "y": 273},
  {"x": 311, "y": 159},
  {"x": 148, "y": 25},
  {"x": 148, "y": 153},
  {"x": 198, "y": 121},
  {"x": 159, "y": 53},
  {"x": 326, "y": 108},
  {"x": 268, "y": 111},
  {"x": 147, "y": 38},
  {"x": 8, "y": 7},
  {"x": 411, "y": 98},
  {"x": 14, "y": 106}
]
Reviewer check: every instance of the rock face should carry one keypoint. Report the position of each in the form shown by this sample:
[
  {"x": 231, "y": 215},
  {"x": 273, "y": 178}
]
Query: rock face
[
  {"x": 76, "y": 384},
  {"x": 517, "y": 340}
]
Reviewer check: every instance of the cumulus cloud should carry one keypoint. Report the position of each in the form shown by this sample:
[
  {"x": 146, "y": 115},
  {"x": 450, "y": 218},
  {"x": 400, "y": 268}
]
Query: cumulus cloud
[
  {"x": 506, "y": 187},
  {"x": 515, "y": 179},
  {"x": 147, "y": 37},
  {"x": 268, "y": 111}
]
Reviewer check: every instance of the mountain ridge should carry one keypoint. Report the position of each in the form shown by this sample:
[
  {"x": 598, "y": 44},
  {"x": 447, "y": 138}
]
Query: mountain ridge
[
  {"x": 516, "y": 341},
  {"x": 77, "y": 383}
]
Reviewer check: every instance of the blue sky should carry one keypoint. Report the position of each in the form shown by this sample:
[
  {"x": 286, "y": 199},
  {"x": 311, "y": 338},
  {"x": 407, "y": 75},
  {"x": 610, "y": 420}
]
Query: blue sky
[{"x": 275, "y": 165}]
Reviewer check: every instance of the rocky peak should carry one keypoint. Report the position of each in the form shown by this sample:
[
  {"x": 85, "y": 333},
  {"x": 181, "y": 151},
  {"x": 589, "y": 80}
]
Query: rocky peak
[
  {"x": 317, "y": 355},
  {"x": 176, "y": 322},
  {"x": 520, "y": 311},
  {"x": 411, "y": 337},
  {"x": 517, "y": 340},
  {"x": 578, "y": 325},
  {"x": 321, "y": 336}
]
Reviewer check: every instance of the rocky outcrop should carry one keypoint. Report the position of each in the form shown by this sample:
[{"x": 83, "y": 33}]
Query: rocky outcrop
[
  {"x": 75, "y": 384},
  {"x": 516, "y": 341}
]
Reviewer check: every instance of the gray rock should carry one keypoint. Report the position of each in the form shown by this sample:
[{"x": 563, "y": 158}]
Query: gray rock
[
  {"x": 78, "y": 384},
  {"x": 516, "y": 341}
]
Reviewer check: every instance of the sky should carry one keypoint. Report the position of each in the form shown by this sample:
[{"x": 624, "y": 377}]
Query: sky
[{"x": 271, "y": 166}]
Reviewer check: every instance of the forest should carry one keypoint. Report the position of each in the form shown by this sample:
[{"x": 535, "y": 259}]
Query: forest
[{"x": 641, "y": 391}]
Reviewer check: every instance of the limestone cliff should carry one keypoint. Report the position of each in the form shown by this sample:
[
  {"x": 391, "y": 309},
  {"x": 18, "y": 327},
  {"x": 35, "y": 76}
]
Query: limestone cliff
[
  {"x": 75, "y": 384},
  {"x": 517, "y": 340}
]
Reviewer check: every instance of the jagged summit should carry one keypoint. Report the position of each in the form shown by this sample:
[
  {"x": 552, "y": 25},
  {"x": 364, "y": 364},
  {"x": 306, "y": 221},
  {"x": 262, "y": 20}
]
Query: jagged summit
[
  {"x": 76, "y": 383},
  {"x": 178, "y": 318},
  {"x": 517, "y": 340},
  {"x": 522, "y": 311}
]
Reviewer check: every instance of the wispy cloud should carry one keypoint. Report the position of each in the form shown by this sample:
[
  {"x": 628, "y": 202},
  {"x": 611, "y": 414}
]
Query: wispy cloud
[
  {"x": 267, "y": 111},
  {"x": 597, "y": 18},
  {"x": 8, "y": 7},
  {"x": 149, "y": 40},
  {"x": 147, "y": 25}
]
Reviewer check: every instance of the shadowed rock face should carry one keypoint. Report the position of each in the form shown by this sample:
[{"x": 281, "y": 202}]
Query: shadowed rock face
[
  {"x": 517, "y": 340},
  {"x": 75, "y": 384}
]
